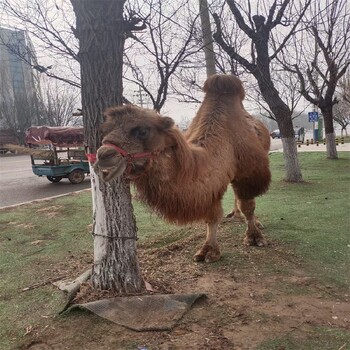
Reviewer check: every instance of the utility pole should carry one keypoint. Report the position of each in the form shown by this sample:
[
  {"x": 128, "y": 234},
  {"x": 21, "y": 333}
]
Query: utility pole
[
  {"x": 207, "y": 38},
  {"x": 140, "y": 96}
]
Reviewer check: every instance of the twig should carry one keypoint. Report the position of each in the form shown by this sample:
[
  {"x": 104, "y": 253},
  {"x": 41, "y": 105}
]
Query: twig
[
  {"x": 343, "y": 346},
  {"x": 44, "y": 283}
]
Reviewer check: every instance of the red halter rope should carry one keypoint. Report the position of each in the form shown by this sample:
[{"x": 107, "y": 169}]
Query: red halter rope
[{"x": 130, "y": 156}]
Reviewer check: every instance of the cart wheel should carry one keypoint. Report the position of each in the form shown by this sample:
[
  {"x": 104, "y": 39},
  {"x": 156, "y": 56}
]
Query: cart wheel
[
  {"x": 54, "y": 179},
  {"x": 76, "y": 176}
]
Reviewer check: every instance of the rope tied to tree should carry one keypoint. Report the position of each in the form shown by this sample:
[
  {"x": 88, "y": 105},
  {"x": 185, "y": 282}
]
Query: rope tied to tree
[{"x": 115, "y": 237}]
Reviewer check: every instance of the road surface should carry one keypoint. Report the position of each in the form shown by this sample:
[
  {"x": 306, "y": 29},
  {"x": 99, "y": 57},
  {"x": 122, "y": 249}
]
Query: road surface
[{"x": 18, "y": 184}]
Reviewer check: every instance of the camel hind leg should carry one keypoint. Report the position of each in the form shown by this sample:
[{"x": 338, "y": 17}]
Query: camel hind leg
[
  {"x": 253, "y": 235},
  {"x": 236, "y": 214}
]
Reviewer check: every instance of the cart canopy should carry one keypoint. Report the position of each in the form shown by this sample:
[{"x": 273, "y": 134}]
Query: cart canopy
[{"x": 60, "y": 136}]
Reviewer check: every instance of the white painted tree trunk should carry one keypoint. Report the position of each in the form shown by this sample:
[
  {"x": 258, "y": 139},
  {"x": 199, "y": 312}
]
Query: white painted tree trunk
[
  {"x": 331, "y": 146},
  {"x": 116, "y": 264},
  {"x": 290, "y": 152}
]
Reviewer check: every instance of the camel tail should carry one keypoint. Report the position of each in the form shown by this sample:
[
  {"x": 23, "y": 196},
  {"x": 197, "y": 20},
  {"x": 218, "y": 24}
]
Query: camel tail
[{"x": 220, "y": 84}]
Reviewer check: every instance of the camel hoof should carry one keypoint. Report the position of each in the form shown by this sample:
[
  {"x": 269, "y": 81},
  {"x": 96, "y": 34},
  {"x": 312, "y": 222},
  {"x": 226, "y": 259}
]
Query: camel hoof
[
  {"x": 198, "y": 257},
  {"x": 208, "y": 254},
  {"x": 259, "y": 225},
  {"x": 255, "y": 241}
]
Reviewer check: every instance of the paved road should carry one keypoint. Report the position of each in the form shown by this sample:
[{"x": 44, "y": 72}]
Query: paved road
[{"x": 18, "y": 184}]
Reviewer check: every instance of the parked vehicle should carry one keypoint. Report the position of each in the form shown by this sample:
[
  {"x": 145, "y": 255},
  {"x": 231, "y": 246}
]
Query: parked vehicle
[
  {"x": 275, "y": 134},
  {"x": 58, "y": 152},
  {"x": 299, "y": 134}
]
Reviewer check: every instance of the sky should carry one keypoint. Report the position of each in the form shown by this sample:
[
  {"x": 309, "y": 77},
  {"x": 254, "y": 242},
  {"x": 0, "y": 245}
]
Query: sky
[{"x": 180, "y": 112}]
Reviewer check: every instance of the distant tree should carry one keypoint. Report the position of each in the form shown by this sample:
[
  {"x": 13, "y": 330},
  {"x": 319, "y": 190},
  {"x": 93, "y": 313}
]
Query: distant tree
[
  {"x": 18, "y": 110},
  {"x": 341, "y": 114},
  {"x": 18, "y": 115},
  {"x": 58, "y": 104},
  {"x": 166, "y": 46},
  {"x": 344, "y": 84},
  {"x": 49, "y": 24},
  {"x": 321, "y": 62},
  {"x": 341, "y": 110},
  {"x": 262, "y": 33}
]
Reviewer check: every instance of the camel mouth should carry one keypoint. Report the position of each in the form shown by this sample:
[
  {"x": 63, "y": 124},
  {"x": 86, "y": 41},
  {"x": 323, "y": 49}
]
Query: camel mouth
[
  {"x": 108, "y": 174},
  {"x": 110, "y": 165}
]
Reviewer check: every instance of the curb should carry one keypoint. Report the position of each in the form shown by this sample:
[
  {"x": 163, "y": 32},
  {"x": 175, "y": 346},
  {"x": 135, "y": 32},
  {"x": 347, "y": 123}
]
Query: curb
[{"x": 44, "y": 199}]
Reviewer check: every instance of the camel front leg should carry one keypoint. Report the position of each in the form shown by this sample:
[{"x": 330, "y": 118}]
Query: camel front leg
[
  {"x": 210, "y": 251},
  {"x": 253, "y": 235}
]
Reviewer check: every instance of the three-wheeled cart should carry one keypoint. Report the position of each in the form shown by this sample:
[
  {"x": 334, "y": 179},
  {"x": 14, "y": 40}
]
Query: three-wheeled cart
[{"x": 58, "y": 152}]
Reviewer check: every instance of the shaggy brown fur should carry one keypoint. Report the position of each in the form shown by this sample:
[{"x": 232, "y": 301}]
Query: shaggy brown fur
[{"x": 188, "y": 178}]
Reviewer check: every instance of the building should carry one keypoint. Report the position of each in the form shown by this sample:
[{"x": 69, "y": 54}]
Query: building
[{"x": 19, "y": 82}]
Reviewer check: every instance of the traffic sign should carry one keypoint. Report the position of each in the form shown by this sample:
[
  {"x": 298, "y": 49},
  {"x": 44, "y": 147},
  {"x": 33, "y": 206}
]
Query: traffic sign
[{"x": 313, "y": 117}]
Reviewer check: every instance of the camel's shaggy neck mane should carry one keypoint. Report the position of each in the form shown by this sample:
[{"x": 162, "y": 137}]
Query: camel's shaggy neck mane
[{"x": 184, "y": 181}]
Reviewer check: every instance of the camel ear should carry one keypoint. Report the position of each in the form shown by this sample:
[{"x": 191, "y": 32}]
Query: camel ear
[{"x": 165, "y": 123}]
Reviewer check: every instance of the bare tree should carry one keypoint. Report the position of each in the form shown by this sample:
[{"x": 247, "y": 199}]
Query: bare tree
[
  {"x": 59, "y": 104},
  {"x": 287, "y": 85},
  {"x": 322, "y": 62},
  {"x": 19, "y": 109},
  {"x": 345, "y": 87},
  {"x": 259, "y": 29},
  {"x": 49, "y": 24},
  {"x": 208, "y": 46},
  {"x": 101, "y": 60},
  {"x": 341, "y": 110},
  {"x": 165, "y": 47},
  {"x": 341, "y": 115},
  {"x": 18, "y": 115}
]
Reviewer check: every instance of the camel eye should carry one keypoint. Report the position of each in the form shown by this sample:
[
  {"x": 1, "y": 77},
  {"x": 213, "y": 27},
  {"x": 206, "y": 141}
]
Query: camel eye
[{"x": 140, "y": 133}]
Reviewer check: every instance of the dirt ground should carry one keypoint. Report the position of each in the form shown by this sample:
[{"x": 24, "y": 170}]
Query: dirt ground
[{"x": 253, "y": 295}]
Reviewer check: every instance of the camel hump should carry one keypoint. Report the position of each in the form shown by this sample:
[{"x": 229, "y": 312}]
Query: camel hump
[{"x": 220, "y": 84}]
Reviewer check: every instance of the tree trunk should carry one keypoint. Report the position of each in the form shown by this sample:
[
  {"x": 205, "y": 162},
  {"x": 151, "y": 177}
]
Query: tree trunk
[
  {"x": 207, "y": 38},
  {"x": 330, "y": 134},
  {"x": 290, "y": 154},
  {"x": 115, "y": 260},
  {"x": 101, "y": 34},
  {"x": 283, "y": 116}
]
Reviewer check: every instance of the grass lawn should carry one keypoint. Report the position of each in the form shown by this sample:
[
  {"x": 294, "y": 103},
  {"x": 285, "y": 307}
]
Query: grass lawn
[{"x": 306, "y": 224}]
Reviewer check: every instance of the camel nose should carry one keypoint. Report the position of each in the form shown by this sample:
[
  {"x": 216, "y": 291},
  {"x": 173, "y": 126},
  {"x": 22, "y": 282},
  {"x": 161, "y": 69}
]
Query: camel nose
[
  {"x": 105, "y": 153},
  {"x": 106, "y": 158}
]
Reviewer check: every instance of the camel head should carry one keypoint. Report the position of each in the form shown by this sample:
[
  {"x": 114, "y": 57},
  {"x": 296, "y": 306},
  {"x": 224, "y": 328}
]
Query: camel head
[{"x": 131, "y": 137}]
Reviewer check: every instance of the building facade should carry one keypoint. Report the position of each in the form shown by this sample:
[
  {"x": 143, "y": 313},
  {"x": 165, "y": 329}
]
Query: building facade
[{"x": 19, "y": 82}]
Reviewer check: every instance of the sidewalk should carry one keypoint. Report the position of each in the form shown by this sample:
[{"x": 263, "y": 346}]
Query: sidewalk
[
  {"x": 322, "y": 148},
  {"x": 314, "y": 148}
]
